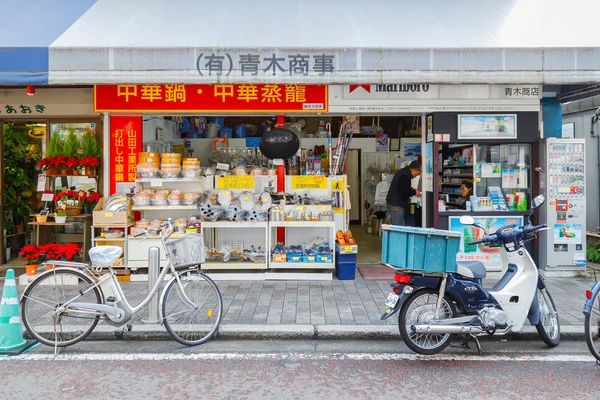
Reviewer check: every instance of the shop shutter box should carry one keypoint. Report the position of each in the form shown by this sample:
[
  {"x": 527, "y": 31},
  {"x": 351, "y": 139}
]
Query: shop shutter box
[{"x": 420, "y": 249}]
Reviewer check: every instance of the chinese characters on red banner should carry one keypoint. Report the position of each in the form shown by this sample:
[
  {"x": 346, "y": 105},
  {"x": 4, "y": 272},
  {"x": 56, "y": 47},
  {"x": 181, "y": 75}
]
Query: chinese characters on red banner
[
  {"x": 125, "y": 143},
  {"x": 206, "y": 98}
]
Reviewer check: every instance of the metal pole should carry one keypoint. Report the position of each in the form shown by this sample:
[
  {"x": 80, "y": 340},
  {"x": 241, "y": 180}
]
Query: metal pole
[{"x": 153, "y": 269}]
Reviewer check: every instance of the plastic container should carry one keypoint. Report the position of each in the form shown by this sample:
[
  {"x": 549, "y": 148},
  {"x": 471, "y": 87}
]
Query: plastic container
[
  {"x": 239, "y": 131},
  {"x": 420, "y": 249},
  {"x": 345, "y": 271},
  {"x": 226, "y": 132},
  {"x": 252, "y": 142},
  {"x": 213, "y": 130},
  {"x": 345, "y": 258},
  {"x": 216, "y": 120}
]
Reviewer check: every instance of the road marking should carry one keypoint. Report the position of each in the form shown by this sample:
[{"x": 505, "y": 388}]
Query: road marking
[{"x": 298, "y": 357}]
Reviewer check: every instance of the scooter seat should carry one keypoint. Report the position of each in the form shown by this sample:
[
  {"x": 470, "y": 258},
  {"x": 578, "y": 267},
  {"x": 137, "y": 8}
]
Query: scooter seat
[{"x": 471, "y": 269}]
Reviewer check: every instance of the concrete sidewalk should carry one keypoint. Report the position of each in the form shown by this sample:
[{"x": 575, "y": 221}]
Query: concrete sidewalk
[{"x": 342, "y": 310}]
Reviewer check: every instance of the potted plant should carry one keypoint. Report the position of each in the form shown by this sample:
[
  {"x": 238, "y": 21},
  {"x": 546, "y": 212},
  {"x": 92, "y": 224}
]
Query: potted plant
[
  {"x": 91, "y": 146},
  {"x": 29, "y": 255},
  {"x": 69, "y": 201},
  {"x": 70, "y": 252},
  {"x": 55, "y": 149},
  {"x": 91, "y": 201},
  {"x": 61, "y": 161},
  {"x": 48, "y": 165},
  {"x": 60, "y": 217},
  {"x": 72, "y": 164},
  {"x": 50, "y": 252},
  {"x": 90, "y": 163}
]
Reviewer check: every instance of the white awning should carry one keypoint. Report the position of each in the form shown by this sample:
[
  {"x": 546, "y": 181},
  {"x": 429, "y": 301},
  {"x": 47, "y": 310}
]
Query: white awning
[{"x": 330, "y": 41}]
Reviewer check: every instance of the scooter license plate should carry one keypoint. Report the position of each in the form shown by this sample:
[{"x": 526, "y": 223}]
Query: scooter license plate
[{"x": 391, "y": 300}]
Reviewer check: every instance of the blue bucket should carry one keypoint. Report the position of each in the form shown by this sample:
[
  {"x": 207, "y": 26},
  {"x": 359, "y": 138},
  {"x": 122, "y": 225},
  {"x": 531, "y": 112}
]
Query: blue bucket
[
  {"x": 216, "y": 120},
  {"x": 225, "y": 132},
  {"x": 239, "y": 131}
]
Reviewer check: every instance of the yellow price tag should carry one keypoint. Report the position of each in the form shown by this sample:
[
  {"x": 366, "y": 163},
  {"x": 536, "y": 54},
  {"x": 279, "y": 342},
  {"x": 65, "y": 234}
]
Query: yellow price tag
[
  {"x": 108, "y": 215},
  {"x": 236, "y": 182},
  {"x": 246, "y": 198},
  {"x": 348, "y": 249},
  {"x": 309, "y": 182}
]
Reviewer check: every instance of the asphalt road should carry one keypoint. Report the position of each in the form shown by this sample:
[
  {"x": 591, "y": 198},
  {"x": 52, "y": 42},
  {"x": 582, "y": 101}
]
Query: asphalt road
[{"x": 300, "y": 370}]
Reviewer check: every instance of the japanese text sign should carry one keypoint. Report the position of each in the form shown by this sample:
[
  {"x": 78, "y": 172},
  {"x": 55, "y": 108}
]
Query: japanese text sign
[
  {"x": 309, "y": 182},
  {"x": 210, "y": 98},
  {"x": 236, "y": 182},
  {"x": 125, "y": 143}
]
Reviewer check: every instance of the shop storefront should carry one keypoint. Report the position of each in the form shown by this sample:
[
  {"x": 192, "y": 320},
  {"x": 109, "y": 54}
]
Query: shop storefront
[
  {"x": 139, "y": 117},
  {"x": 29, "y": 120}
]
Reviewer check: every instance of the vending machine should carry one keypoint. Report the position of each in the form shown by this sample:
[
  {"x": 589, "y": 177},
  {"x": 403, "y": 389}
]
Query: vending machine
[{"x": 562, "y": 246}]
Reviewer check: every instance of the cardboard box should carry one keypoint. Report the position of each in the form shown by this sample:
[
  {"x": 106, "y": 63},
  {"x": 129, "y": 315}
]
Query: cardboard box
[
  {"x": 279, "y": 258},
  {"x": 112, "y": 218}
]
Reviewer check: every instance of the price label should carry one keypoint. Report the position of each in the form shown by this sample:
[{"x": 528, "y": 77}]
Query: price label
[
  {"x": 348, "y": 249},
  {"x": 223, "y": 167},
  {"x": 48, "y": 197},
  {"x": 309, "y": 182},
  {"x": 156, "y": 182},
  {"x": 246, "y": 198},
  {"x": 41, "y": 183},
  {"x": 236, "y": 182}
]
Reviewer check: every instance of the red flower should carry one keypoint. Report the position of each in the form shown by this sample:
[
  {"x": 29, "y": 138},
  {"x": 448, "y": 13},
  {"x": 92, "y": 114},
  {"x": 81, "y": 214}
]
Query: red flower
[
  {"x": 61, "y": 160},
  {"x": 71, "y": 162},
  {"x": 51, "y": 251},
  {"x": 47, "y": 162},
  {"x": 94, "y": 197},
  {"x": 90, "y": 161},
  {"x": 70, "y": 250},
  {"x": 29, "y": 254}
]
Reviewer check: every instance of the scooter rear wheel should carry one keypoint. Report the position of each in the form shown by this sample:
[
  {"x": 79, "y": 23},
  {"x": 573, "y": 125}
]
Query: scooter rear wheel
[{"x": 419, "y": 308}]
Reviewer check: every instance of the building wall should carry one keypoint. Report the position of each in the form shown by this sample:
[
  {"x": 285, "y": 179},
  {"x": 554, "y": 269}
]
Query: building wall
[{"x": 580, "y": 113}]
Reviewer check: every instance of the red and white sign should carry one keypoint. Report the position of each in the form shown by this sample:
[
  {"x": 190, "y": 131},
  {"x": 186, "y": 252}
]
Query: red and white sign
[
  {"x": 125, "y": 144},
  {"x": 210, "y": 98}
]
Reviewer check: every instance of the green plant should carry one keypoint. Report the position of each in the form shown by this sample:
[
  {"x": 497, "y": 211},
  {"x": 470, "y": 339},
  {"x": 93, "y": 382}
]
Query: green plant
[
  {"x": 593, "y": 252},
  {"x": 16, "y": 180},
  {"x": 61, "y": 214},
  {"x": 71, "y": 144},
  {"x": 91, "y": 146},
  {"x": 55, "y": 146}
]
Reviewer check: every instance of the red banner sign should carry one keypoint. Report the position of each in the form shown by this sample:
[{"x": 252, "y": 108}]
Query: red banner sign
[
  {"x": 125, "y": 144},
  {"x": 210, "y": 98}
]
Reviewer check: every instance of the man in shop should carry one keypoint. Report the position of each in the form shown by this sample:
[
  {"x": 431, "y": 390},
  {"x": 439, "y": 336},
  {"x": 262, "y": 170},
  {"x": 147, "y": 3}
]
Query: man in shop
[
  {"x": 400, "y": 192},
  {"x": 466, "y": 191}
]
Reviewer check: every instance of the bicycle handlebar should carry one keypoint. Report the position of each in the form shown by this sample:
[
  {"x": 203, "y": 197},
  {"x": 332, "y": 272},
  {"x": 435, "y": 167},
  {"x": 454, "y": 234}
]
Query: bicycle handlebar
[{"x": 168, "y": 224}]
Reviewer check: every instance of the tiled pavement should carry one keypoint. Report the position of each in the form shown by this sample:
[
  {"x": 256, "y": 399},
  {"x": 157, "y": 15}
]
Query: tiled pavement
[{"x": 356, "y": 302}]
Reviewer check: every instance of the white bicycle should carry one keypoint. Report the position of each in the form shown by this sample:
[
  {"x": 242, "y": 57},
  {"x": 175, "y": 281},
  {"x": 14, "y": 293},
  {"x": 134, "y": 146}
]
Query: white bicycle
[{"x": 63, "y": 305}]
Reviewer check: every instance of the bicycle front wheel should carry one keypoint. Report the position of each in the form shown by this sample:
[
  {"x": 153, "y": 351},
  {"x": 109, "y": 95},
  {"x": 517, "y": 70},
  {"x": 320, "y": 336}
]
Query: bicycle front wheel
[
  {"x": 193, "y": 310},
  {"x": 52, "y": 290},
  {"x": 592, "y": 327}
]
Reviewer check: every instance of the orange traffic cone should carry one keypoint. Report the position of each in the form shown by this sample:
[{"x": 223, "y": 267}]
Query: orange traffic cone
[{"x": 11, "y": 335}]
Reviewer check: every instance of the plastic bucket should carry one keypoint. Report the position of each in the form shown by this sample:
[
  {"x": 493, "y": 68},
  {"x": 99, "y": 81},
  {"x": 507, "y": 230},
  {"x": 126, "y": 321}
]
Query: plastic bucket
[
  {"x": 213, "y": 130},
  {"x": 225, "y": 132},
  {"x": 216, "y": 120},
  {"x": 240, "y": 131}
]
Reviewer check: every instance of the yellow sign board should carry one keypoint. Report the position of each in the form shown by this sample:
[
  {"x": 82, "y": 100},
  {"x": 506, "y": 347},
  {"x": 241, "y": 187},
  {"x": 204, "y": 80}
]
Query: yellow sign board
[
  {"x": 236, "y": 182},
  {"x": 309, "y": 182}
]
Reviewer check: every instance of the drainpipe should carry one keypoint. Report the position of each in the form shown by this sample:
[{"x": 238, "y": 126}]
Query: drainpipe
[{"x": 594, "y": 121}]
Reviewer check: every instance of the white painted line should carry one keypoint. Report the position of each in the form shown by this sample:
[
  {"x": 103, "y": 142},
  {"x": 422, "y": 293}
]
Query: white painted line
[
  {"x": 10, "y": 282},
  {"x": 298, "y": 356},
  {"x": 10, "y": 301},
  {"x": 14, "y": 320}
]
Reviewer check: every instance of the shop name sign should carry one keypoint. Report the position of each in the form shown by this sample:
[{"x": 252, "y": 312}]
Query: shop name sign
[
  {"x": 210, "y": 98},
  {"x": 273, "y": 64}
]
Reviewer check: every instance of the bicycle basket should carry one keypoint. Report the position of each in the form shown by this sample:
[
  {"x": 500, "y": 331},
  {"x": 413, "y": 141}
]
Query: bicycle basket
[{"x": 187, "y": 251}]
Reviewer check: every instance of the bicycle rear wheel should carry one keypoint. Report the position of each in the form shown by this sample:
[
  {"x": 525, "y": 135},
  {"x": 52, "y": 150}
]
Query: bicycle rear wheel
[
  {"x": 592, "y": 327},
  {"x": 51, "y": 290},
  {"x": 192, "y": 316}
]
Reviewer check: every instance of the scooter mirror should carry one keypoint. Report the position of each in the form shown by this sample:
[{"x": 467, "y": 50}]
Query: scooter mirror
[
  {"x": 537, "y": 202},
  {"x": 467, "y": 220}
]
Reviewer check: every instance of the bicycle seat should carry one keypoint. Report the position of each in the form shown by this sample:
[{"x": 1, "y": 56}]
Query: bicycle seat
[
  {"x": 471, "y": 269},
  {"x": 105, "y": 256}
]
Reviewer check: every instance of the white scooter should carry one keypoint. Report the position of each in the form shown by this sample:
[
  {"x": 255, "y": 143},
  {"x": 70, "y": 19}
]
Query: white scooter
[{"x": 435, "y": 306}]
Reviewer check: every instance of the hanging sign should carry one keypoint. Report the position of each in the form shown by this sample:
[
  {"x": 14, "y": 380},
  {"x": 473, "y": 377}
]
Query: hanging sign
[
  {"x": 309, "y": 182},
  {"x": 236, "y": 182},
  {"x": 125, "y": 144},
  {"x": 210, "y": 98}
]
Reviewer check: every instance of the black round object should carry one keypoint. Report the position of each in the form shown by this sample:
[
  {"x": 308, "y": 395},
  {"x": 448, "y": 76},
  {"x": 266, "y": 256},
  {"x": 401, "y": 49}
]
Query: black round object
[{"x": 279, "y": 143}]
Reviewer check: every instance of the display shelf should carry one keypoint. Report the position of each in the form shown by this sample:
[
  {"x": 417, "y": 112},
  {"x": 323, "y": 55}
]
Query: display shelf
[
  {"x": 101, "y": 239},
  {"x": 458, "y": 175},
  {"x": 451, "y": 184},
  {"x": 78, "y": 176},
  {"x": 302, "y": 224},
  {"x": 458, "y": 166},
  {"x": 16, "y": 234},
  {"x": 112, "y": 226},
  {"x": 182, "y": 180},
  {"x": 233, "y": 265},
  {"x": 163, "y": 208},
  {"x": 230, "y": 224},
  {"x": 34, "y": 223},
  {"x": 287, "y": 265}
]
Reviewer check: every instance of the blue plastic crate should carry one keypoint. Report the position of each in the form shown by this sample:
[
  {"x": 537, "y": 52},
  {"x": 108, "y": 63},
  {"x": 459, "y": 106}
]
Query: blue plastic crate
[
  {"x": 345, "y": 271},
  {"x": 294, "y": 257},
  {"x": 252, "y": 142},
  {"x": 420, "y": 249},
  {"x": 324, "y": 258},
  {"x": 309, "y": 259}
]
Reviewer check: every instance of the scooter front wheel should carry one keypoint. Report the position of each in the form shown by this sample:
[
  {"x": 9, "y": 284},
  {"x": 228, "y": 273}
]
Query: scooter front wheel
[
  {"x": 549, "y": 326},
  {"x": 418, "y": 309}
]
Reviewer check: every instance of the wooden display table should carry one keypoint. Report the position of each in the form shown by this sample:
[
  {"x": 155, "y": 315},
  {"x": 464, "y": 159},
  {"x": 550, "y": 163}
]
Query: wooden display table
[{"x": 45, "y": 232}]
